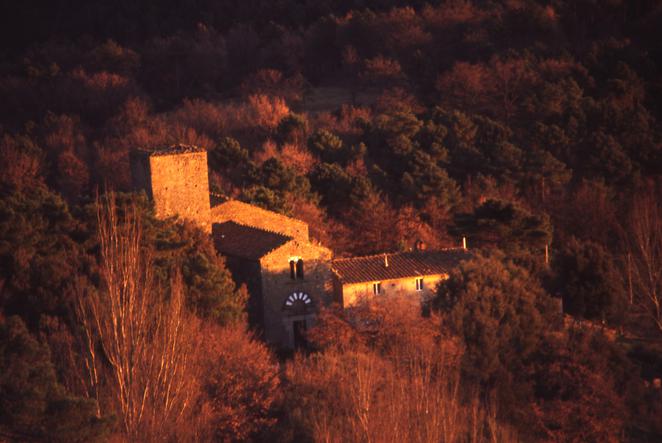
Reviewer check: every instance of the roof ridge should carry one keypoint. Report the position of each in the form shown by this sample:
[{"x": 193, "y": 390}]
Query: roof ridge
[
  {"x": 381, "y": 254},
  {"x": 234, "y": 200},
  {"x": 404, "y": 264}
]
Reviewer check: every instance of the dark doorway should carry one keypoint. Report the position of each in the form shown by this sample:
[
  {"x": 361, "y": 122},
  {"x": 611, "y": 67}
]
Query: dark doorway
[{"x": 299, "y": 328}]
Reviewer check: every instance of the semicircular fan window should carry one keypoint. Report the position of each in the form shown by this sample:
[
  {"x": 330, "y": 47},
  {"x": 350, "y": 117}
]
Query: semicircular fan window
[{"x": 298, "y": 301}]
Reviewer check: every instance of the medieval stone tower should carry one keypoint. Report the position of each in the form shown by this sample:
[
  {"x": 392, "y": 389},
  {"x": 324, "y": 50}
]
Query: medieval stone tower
[{"x": 176, "y": 179}]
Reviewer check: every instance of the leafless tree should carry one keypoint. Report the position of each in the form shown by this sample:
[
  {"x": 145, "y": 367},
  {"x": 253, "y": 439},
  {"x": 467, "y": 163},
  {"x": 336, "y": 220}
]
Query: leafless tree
[
  {"x": 139, "y": 342},
  {"x": 643, "y": 249},
  {"x": 404, "y": 387}
]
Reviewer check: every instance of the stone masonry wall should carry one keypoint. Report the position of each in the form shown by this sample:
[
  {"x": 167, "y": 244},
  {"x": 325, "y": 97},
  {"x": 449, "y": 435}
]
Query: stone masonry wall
[
  {"x": 352, "y": 293},
  {"x": 277, "y": 285},
  {"x": 180, "y": 186},
  {"x": 250, "y": 215}
]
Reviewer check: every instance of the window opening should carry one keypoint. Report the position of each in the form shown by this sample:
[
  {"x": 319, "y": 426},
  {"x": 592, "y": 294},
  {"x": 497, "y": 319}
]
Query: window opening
[
  {"x": 377, "y": 288},
  {"x": 299, "y": 269}
]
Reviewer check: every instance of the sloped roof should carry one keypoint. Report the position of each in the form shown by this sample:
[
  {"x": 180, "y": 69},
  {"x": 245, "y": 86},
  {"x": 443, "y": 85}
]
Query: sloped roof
[
  {"x": 400, "y": 265},
  {"x": 237, "y": 240},
  {"x": 251, "y": 215}
]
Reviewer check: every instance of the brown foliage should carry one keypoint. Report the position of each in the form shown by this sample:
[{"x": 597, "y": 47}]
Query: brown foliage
[
  {"x": 452, "y": 13},
  {"x": 96, "y": 94},
  {"x": 298, "y": 158},
  {"x": 403, "y": 30},
  {"x": 165, "y": 373},
  {"x": 498, "y": 87},
  {"x": 266, "y": 112},
  {"x": 578, "y": 402},
  {"x": 269, "y": 150},
  {"x": 381, "y": 71},
  {"x": 388, "y": 375},
  {"x": 202, "y": 116},
  {"x": 589, "y": 212},
  {"x": 62, "y": 133},
  {"x": 73, "y": 176},
  {"x": 375, "y": 226},
  {"x": 240, "y": 384},
  {"x": 22, "y": 164},
  {"x": 310, "y": 212},
  {"x": 465, "y": 83},
  {"x": 412, "y": 228},
  {"x": 272, "y": 82},
  {"x": 347, "y": 122},
  {"x": 398, "y": 100}
]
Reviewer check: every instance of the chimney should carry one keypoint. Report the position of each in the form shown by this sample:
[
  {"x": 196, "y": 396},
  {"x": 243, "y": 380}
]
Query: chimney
[
  {"x": 385, "y": 261},
  {"x": 464, "y": 243}
]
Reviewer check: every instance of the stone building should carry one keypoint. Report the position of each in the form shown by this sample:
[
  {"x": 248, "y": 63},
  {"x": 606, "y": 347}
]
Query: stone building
[
  {"x": 288, "y": 278},
  {"x": 415, "y": 272},
  {"x": 287, "y": 275},
  {"x": 176, "y": 179}
]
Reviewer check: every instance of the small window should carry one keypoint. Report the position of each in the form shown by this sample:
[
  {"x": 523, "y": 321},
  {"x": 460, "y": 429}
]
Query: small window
[
  {"x": 300, "y": 269},
  {"x": 292, "y": 270},
  {"x": 419, "y": 284},
  {"x": 377, "y": 288}
]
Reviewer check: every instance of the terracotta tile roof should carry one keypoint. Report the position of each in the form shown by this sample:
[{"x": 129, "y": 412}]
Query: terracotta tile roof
[
  {"x": 237, "y": 240},
  {"x": 400, "y": 265}
]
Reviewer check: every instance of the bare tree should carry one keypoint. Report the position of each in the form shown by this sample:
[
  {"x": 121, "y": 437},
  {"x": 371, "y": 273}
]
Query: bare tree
[
  {"x": 643, "y": 247},
  {"x": 404, "y": 386},
  {"x": 139, "y": 350}
]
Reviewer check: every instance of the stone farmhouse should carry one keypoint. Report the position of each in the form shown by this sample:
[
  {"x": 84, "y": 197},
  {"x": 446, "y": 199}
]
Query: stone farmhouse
[
  {"x": 418, "y": 272},
  {"x": 288, "y": 275}
]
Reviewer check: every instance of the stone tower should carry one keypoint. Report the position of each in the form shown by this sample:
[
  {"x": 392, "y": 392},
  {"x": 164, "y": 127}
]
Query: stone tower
[{"x": 176, "y": 179}]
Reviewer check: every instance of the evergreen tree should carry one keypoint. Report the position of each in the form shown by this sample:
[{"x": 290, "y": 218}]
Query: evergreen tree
[
  {"x": 589, "y": 282},
  {"x": 40, "y": 253},
  {"x": 506, "y": 225},
  {"x": 33, "y": 405}
]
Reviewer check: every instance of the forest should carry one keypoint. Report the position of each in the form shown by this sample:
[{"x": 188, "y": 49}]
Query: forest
[{"x": 529, "y": 127}]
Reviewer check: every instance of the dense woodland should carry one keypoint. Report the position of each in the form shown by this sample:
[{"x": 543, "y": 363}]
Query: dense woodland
[{"x": 529, "y": 127}]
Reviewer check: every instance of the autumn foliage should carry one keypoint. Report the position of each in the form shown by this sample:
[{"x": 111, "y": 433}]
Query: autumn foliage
[{"x": 529, "y": 128}]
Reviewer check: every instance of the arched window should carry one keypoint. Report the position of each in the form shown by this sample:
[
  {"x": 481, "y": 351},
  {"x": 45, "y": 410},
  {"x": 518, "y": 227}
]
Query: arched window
[
  {"x": 298, "y": 298},
  {"x": 300, "y": 269},
  {"x": 292, "y": 270}
]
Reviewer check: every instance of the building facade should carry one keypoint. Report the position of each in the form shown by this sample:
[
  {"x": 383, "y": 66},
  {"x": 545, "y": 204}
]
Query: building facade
[
  {"x": 288, "y": 277},
  {"x": 416, "y": 273}
]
